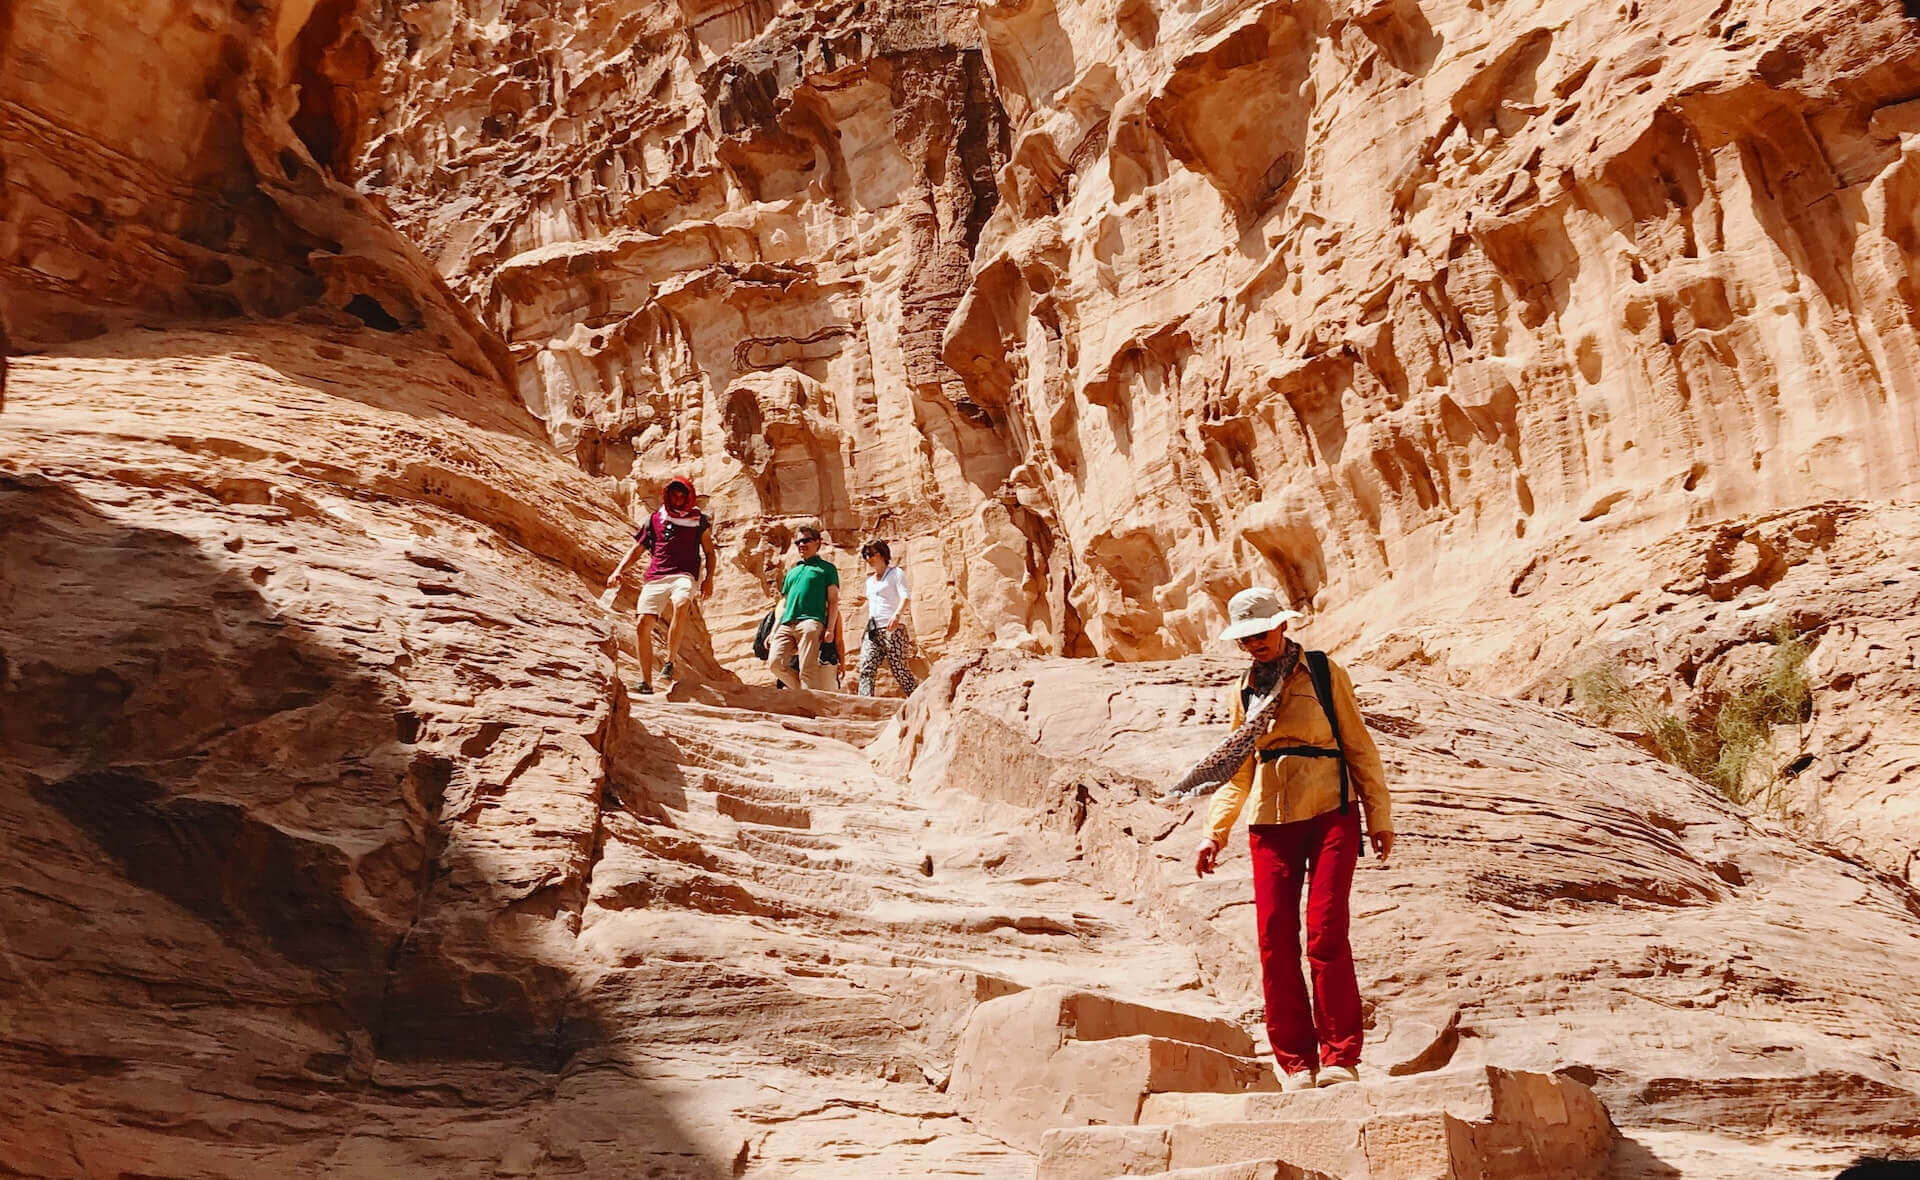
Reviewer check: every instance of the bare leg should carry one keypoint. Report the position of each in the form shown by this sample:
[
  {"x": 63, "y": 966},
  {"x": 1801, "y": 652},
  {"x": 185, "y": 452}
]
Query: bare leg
[
  {"x": 673, "y": 631},
  {"x": 646, "y": 648}
]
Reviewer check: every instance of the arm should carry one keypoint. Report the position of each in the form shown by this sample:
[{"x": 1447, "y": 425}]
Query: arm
[
  {"x": 833, "y": 613},
  {"x": 1363, "y": 764},
  {"x": 706, "y": 551},
  {"x": 1227, "y": 803},
  {"x": 900, "y": 616},
  {"x": 633, "y": 551}
]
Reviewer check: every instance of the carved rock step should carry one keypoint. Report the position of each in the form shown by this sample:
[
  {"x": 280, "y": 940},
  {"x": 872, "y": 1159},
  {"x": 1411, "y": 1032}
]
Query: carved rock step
[
  {"x": 1052, "y": 1057},
  {"x": 1482, "y": 1123},
  {"x": 1247, "y": 1170}
]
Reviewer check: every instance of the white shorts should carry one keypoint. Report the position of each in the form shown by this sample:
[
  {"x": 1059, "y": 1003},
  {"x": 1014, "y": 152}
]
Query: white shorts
[{"x": 663, "y": 596}]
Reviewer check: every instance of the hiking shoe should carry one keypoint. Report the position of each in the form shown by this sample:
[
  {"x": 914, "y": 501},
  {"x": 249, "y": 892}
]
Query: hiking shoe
[
  {"x": 1334, "y": 1075},
  {"x": 646, "y": 689},
  {"x": 1301, "y": 1080},
  {"x": 666, "y": 670}
]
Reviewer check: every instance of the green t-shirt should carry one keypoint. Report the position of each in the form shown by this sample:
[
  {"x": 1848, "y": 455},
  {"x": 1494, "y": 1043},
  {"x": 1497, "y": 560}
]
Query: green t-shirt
[{"x": 806, "y": 589}]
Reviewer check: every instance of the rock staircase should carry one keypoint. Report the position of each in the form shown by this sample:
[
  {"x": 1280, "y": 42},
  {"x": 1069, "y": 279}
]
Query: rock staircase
[
  {"x": 1102, "y": 1089},
  {"x": 1478, "y": 1123}
]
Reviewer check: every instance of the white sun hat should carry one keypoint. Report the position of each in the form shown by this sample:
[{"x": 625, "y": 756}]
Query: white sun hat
[{"x": 1256, "y": 611}]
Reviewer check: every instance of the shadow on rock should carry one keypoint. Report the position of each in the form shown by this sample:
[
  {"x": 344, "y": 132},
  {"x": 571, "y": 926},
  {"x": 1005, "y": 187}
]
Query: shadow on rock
[{"x": 224, "y": 843}]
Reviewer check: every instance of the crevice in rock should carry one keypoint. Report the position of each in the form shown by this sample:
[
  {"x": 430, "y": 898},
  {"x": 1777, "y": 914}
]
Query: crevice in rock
[{"x": 318, "y": 120}]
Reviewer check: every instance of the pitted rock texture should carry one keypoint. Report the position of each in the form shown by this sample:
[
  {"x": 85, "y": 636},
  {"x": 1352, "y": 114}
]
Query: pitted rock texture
[
  {"x": 1100, "y": 312},
  {"x": 1327, "y": 291},
  {"x": 728, "y": 241},
  {"x": 175, "y": 160}
]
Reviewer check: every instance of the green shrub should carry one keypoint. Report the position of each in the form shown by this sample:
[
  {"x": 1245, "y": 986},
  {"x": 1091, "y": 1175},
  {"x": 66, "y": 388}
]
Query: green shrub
[{"x": 1732, "y": 747}]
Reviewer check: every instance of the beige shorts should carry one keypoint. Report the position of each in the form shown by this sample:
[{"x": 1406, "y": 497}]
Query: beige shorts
[{"x": 663, "y": 596}]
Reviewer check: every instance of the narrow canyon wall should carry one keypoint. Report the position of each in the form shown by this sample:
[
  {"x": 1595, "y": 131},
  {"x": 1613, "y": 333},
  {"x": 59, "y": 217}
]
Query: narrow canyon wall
[
  {"x": 1372, "y": 301},
  {"x": 1328, "y": 295},
  {"x": 1503, "y": 338}
]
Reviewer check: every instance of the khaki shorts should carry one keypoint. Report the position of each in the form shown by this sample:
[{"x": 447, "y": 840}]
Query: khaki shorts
[{"x": 663, "y": 596}]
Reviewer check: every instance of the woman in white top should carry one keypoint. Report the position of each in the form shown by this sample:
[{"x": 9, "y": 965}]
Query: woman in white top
[{"x": 887, "y": 636}]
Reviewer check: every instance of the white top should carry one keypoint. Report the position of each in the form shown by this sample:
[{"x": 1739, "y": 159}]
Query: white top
[{"x": 886, "y": 595}]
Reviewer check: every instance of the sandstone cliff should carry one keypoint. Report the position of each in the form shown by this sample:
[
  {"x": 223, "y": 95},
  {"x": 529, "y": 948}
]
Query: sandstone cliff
[
  {"x": 1102, "y": 310},
  {"x": 1505, "y": 337}
]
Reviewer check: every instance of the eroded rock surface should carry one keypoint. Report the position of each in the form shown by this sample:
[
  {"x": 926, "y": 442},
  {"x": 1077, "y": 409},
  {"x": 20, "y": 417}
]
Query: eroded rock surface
[
  {"x": 1506, "y": 337},
  {"x": 1099, "y": 311},
  {"x": 1557, "y": 901},
  {"x": 338, "y": 848}
]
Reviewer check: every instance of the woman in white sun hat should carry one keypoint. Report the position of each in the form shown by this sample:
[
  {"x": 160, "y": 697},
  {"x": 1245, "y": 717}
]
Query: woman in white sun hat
[{"x": 1302, "y": 760}]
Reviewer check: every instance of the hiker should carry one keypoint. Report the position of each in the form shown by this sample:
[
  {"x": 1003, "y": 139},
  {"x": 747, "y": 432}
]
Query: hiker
[
  {"x": 680, "y": 538},
  {"x": 1304, "y": 759},
  {"x": 809, "y": 616},
  {"x": 886, "y": 634}
]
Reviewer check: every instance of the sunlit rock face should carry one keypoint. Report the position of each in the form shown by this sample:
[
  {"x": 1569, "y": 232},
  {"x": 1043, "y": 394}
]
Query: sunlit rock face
[
  {"x": 352, "y": 335},
  {"x": 728, "y": 241},
  {"x": 1376, "y": 301},
  {"x": 1099, "y": 312},
  {"x": 1333, "y": 295}
]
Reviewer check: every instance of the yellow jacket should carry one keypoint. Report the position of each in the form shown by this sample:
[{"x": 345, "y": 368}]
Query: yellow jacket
[{"x": 1294, "y": 788}]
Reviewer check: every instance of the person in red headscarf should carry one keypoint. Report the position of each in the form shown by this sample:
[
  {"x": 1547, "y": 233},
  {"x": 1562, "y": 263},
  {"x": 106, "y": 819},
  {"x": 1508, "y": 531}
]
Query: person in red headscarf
[{"x": 680, "y": 539}]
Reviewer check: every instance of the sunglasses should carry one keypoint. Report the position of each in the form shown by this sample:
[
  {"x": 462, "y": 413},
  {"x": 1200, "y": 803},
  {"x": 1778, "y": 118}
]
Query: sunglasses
[{"x": 809, "y": 541}]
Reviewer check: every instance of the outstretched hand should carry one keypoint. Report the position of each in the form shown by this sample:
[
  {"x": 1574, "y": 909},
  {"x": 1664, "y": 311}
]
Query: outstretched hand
[
  {"x": 1382, "y": 845},
  {"x": 1205, "y": 858}
]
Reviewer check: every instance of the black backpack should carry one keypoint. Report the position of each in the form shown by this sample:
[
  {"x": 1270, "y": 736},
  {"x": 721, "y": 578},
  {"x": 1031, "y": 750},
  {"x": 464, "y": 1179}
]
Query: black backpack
[
  {"x": 1322, "y": 676},
  {"x": 760, "y": 649},
  {"x": 829, "y": 650}
]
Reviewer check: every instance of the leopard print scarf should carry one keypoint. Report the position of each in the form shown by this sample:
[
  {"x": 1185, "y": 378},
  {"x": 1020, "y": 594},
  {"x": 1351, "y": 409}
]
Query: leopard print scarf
[{"x": 1216, "y": 768}]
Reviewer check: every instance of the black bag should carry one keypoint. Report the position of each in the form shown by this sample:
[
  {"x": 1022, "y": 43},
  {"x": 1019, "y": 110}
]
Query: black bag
[
  {"x": 760, "y": 649},
  {"x": 1322, "y": 677},
  {"x": 829, "y": 650}
]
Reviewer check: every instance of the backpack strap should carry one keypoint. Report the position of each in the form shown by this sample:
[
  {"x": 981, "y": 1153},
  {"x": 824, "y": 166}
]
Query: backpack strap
[{"x": 1323, "y": 688}]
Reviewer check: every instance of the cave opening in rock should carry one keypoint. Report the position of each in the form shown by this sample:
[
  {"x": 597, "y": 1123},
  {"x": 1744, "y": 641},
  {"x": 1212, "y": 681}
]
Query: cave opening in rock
[{"x": 372, "y": 313}]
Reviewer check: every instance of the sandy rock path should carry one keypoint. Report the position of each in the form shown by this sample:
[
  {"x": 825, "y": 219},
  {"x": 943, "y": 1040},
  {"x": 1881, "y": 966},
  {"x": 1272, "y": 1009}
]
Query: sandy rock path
[{"x": 858, "y": 922}]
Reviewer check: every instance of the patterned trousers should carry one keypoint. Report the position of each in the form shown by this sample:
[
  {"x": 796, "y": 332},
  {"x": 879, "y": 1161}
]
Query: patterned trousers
[{"x": 881, "y": 643}]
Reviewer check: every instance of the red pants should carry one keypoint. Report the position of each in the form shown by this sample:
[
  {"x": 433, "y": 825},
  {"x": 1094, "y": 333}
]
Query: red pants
[{"x": 1320, "y": 853}]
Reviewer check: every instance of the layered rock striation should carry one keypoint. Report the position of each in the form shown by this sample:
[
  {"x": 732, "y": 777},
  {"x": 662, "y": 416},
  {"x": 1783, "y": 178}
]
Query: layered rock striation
[
  {"x": 1506, "y": 338},
  {"x": 1099, "y": 312},
  {"x": 175, "y": 160},
  {"x": 1556, "y": 901}
]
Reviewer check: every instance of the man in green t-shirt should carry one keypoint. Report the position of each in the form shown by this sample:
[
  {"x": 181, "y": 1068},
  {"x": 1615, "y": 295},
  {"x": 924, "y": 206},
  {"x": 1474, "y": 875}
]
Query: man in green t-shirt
[{"x": 809, "y": 613}]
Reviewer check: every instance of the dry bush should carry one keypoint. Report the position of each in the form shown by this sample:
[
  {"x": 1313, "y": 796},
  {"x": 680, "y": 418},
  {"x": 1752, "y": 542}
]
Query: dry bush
[{"x": 1731, "y": 747}]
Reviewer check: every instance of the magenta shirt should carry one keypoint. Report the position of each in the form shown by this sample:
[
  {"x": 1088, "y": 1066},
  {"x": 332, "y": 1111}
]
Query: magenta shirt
[{"x": 676, "y": 547}]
